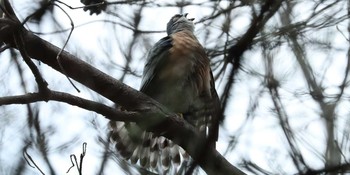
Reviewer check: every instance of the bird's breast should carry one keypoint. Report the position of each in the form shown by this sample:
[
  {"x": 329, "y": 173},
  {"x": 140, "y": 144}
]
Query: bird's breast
[{"x": 182, "y": 56}]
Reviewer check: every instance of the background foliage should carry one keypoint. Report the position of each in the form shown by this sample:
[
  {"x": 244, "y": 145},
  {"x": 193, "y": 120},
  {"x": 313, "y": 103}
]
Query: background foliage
[{"x": 281, "y": 70}]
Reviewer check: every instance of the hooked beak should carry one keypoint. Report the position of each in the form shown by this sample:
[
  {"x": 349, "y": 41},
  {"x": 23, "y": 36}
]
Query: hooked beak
[{"x": 191, "y": 19}]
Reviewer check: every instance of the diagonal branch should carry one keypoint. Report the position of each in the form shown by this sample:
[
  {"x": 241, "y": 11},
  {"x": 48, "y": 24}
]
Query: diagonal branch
[
  {"x": 235, "y": 52},
  {"x": 42, "y": 84}
]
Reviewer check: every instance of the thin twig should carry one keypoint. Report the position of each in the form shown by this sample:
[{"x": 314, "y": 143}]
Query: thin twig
[
  {"x": 82, "y": 155},
  {"x": 30, "y": 161},
  {"x": 42, "y": 84},
  {"x": 85, "y": 6},
  {"x": 75, "y": 162},
  {"x": 105, "y": 21},
  {"x": 65, "y": 44}
]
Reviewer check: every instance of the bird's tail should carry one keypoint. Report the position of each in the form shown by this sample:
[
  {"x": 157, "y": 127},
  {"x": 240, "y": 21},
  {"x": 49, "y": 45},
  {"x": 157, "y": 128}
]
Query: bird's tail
[{"x": 145, "y": 148}]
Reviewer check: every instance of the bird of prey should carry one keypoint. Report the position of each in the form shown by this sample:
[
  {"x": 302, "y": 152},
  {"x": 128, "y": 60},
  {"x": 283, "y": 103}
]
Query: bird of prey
[{"x": 177, "y": 74}]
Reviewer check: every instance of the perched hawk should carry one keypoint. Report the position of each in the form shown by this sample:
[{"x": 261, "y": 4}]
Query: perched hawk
[{"x": 177, "y": 74}]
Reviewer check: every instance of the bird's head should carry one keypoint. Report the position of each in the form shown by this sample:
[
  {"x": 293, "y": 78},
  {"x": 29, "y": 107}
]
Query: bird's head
[{"x": 180, "y": 22}]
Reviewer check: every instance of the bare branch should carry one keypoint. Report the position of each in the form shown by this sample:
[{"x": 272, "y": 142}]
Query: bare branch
[
  {"x": 108, "y": 112},
  {"x": 235, "y": 52}
]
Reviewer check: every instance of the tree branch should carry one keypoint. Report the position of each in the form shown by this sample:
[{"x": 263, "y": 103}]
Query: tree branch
[
  {"x": 109, "y": 112},
  {"x": 246, "y": 41}
]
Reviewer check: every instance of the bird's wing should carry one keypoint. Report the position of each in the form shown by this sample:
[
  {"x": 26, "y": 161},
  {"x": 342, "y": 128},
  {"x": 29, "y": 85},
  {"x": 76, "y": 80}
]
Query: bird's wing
[
  {"x": 156, "y": 57},
  {"x": 215, "y": 111}
]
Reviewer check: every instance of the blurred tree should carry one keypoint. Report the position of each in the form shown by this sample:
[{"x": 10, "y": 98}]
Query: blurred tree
[{"x": 281, "y": 68}]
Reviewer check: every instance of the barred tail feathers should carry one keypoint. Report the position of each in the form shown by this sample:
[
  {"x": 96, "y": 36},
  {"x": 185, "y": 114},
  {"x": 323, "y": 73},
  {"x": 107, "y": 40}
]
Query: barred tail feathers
[{"x": 145, "y": 148}]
